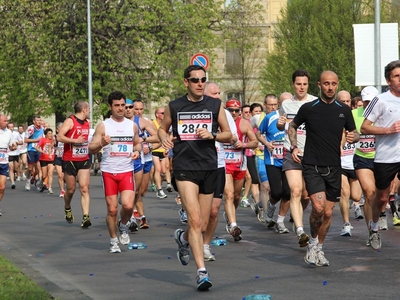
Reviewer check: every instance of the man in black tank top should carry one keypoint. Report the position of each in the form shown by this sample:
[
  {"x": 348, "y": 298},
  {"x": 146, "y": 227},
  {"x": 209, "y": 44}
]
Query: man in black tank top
[{"x": 195, "y": 120}]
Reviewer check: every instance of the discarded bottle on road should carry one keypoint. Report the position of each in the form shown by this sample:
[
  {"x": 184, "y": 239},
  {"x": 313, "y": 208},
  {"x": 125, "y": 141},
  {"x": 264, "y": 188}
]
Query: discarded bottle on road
[
  {"x": 218, "y": 242},
  {"x": 136, "y": 246},
  {"x": 257, "y": 297}
]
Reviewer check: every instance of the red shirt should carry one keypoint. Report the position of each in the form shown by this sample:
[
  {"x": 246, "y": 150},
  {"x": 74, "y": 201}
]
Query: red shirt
[
  {"x": 77, "y": 152},
  {"x": 48, "y": 151}
]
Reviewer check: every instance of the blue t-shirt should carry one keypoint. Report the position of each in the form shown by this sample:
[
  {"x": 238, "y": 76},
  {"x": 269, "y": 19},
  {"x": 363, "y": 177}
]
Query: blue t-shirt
[{"x": 271, "y": 132}]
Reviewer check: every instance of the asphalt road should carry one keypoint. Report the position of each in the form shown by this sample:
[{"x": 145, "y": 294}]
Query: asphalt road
[{"x": 74, "y": 263}]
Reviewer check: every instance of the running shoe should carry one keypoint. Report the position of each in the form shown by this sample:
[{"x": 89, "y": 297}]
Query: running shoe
[
  {"x": 244, "y": 202},
  {"x": 227, "y": 225},
  {"x": 13, "y": 186},
  {"x": 261, "y": 216},
  {"x": 50, "y": 191},
  {"x": 270, "y": 215},
  {"x": 396, "y": 219},
  {"x": 375, "y": 240},
  {"x": 303, "y": 238},
  {"x": 62, "y": 194},
  {"x": 86, "y": 221},
  {"x": 280, "y": 228},
  {"x": 382, "y": 223},
  {"x": 358, "y": 213},
  {"x": 203, "y": 281},
  {"x": 321, "y": 259},
  {"x": 133, "y": 226},
  {"x": 183, "y": 216},
  {"x": 346, "y": 230},
  {"x": 114, "y": 248},
  {"x": 124, "y": 238},
  {"x": 362, "y": 201},
  {"x": 23, "y": 177},
  {"x": 169, "y": 188},
  {"x": 160, "y": 194},
  {"x": 153, "y": 188},
  {"x": 1, "y": 213},
  {"x": 311, "y": 257},
  {"x": 68, "y": 216},
  {"x": 183, "y": 249},
  {"x": 27, "y": 186},
  {"x": 18, "y": 179},
  {"x": 178, "y": 200},
  {"x": 208, "y": 256},
  {"x": 236, "y": 232},
  {"x": 143, "y": 223}
]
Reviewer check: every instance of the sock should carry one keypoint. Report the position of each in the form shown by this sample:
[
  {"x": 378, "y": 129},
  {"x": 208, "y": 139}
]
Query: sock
[
  {"x": 182, "y": 239},
  {"x": 113, "y": 240},
  {"x": 313, "y": 241},
  {"x": 319, "y": 247},
  {"x": 142, "y": 216},
  {"x": 202, "y": 270},
  {"x": 392, "y": 205},
  {"x": 299, "y": 229},
  {"x": 280, "y": 219},
  {"x": 233, "y": 224},
  {"x": 374, "y": 226}
]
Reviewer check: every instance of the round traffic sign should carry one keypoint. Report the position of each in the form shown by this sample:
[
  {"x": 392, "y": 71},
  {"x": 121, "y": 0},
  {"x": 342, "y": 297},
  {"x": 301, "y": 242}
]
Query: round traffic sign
[{"x": 200, "y": 59}]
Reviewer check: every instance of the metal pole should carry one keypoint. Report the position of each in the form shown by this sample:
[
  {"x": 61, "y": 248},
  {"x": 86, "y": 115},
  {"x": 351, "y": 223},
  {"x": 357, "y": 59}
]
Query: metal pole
[
  {"x": 90, "y": 64},
  {"x": 378, "y": 82}
]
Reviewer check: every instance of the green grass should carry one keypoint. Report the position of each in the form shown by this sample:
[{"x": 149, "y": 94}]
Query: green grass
[{"x": 14, "y": 285}]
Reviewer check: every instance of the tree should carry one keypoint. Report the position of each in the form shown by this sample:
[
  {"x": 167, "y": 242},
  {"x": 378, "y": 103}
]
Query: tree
[
  {"x": 243, "y": 35},
  {"x": 316, "y": 35},
  {"x": 138, "y": 46}
]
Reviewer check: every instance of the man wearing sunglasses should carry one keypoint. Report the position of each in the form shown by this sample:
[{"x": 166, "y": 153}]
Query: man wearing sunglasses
[
  {"x": 236, "y": 165},
  {"x": 195, "y": 120}
]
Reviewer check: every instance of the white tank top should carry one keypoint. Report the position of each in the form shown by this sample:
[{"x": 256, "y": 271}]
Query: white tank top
[{"x": 117, "y": 156}]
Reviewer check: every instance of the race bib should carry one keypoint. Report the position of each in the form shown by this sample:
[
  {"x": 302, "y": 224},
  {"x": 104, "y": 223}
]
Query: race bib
[
  {"x": 277, "y": 153},
  {"x": 121, "y": 146},
  {"x": 80, "y": 150},
  {"x": 232, "y": 155},
  {"x": 301, "y": 130},
  {"x": 366, "y": 143},
  {"x": 348, "y": 149},
  {"x": 189, "y": 122},
  {"x": 3, "y": 155}
]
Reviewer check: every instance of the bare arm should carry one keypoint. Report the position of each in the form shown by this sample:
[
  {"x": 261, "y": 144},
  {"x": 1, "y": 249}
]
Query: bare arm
[
  {"x": 65, "y": 127},
  {"x": 163, "y": 135},
  {"x": 151, "y": 129},
  {"x": 263, "y": 140},
  {"x": 292, "y": 133},
  {"x": 252, "y": 143},
  {"x": 99, "y": 139},
  {"x": 368, "y": 128}
]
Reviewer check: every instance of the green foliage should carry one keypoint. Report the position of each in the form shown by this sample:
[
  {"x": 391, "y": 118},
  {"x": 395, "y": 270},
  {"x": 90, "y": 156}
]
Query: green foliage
[
  {"x": 138, "y": 46},
  {"x": 243, "y": 36},
  {"x": 316, "y": 35}
]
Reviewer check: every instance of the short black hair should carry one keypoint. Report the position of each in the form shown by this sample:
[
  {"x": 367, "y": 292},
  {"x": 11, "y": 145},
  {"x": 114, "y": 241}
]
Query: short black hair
[
  {"x": 47, "y": 130},
  {"x": 300, "y": 73},
  {"x": 254, "y": 105},
  {"x": 116, "y": 95},
  {"x": 186, "y": 73},
  {"x": 390, "y": 67}
]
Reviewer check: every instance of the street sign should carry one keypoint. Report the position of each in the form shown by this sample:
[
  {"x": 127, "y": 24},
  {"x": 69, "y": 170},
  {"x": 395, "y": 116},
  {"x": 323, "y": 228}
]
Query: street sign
[{"x": 200, "y": 59}]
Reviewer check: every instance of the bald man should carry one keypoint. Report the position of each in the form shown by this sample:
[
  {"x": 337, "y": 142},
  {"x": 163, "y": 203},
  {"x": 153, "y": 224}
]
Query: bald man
[{"x": 325, "y": 118}]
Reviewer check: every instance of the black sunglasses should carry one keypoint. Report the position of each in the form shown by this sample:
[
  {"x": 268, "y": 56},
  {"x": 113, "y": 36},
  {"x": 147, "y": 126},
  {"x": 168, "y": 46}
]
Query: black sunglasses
[
  {"x": 196, "y": 79},
  {"x": 233, "y": 110},
  {"x": 129, "y": 107}
]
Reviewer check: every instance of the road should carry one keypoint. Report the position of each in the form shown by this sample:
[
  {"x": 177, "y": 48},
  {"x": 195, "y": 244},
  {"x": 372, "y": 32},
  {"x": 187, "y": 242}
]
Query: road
[{"x": 74, "y": 263}]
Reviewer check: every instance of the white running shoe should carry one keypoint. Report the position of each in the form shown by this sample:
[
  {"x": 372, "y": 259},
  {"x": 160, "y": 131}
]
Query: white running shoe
[
  {"x": 27, "y": 186},
  {"x": 346, "y": 230},
  {"x": 124, "y": 238},
  {"x": 280, "y": 228},
  {"x": 382, "y": 223},
  {"x": 114, "y": 248},
  {"x": 311, "y": 257},
  {"x": 207, "y": 253},
  {"x": 160, "y": 194}
]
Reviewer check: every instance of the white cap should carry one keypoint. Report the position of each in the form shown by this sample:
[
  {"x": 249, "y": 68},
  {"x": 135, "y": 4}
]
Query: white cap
[{"x": 368, "y": 93}]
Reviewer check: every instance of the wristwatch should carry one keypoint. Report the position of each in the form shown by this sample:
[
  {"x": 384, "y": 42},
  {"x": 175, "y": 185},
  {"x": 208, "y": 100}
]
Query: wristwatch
[
  {"x": 214, "y": 134},
  {"x": 292, "y": 148},
  {"x": 144, "y": 138}
]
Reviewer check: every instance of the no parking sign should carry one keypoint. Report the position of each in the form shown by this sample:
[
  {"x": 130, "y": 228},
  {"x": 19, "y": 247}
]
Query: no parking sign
[{"x": 200, "y": 59}]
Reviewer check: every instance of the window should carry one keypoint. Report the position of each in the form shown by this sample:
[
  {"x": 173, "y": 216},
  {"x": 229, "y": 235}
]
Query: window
[
  {"x": 234, "y": 95},
  {"x": 232, "y": 61}
]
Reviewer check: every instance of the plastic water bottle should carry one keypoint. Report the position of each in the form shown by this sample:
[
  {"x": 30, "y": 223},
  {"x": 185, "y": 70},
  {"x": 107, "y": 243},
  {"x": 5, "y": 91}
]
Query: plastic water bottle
[
  {"x": 258, "y": 297},
  {"x": 136, "y": 246},
  {"x": 218, "y": 242}
]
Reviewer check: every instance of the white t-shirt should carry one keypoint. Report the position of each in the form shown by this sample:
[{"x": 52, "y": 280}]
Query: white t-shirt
[
  {"x": 6, "y": 140},
  {"x": 16, "y": 137},
  {"x": 383, "y": 111},
  {"x": 117, "y": 156},
  {"x": 347, "y": 156},
  {"x": 219, "y": 146},
  {"x": 290, "y": 108}
]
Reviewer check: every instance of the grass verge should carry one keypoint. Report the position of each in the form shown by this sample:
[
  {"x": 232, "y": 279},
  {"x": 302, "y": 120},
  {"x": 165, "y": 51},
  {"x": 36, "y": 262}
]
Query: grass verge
[{"x": 14, "y": 285}]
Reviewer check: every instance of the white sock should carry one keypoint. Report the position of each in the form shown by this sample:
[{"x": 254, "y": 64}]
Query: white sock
[
  {"x": 280, "y": 219},
  {"x": 114, "y": 240},
  {"x": 201, "y": 270},
  {"x": 319, "y": 246},
  {"x": 299, "y": 229},
  {"x": 313, "y": 241},
  {"x": 374, "y": 226},
  {"x": 233, "y": 224},
  {"x": 182, "y": 239}
]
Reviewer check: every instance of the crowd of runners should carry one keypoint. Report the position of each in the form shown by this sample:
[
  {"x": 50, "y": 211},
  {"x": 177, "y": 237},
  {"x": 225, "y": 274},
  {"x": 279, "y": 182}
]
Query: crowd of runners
[{"x": 291, "y": 151}]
